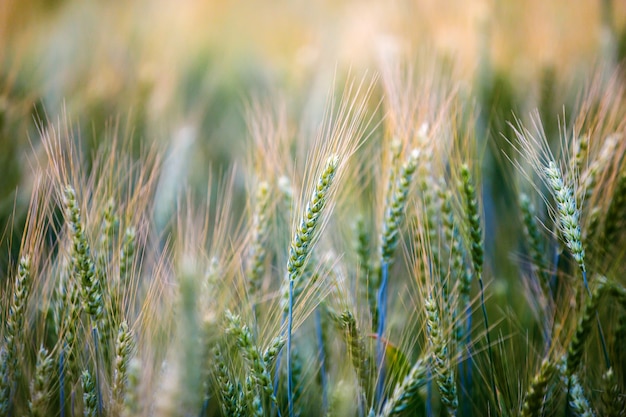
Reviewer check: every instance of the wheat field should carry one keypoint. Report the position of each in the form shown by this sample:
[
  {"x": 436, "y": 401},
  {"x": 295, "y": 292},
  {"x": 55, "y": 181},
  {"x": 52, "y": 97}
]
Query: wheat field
[{"x": 409, "y": 208}]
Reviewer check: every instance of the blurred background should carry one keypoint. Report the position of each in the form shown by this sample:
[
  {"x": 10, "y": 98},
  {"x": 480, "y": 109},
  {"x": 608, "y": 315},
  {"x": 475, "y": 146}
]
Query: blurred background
[{"x": 182, "y": 73}]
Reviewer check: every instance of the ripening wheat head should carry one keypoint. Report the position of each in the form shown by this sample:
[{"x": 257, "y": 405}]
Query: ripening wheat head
[{"x": 560, "y": 183}]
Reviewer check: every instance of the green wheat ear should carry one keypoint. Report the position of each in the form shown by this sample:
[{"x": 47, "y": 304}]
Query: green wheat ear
[
  {"x": 568, "y": 215},
  {"x": 124, "y": 349},
  {"x": 259, "y": 373},
  {"x": 230, "y": 394},
  {"x": 357, "y": 351},
  {"x": 305, "y": 233},
  {"x": 40, "y": 387},
  {"x": 10, "y": 352},
  {"x": 583, "y": 329},
  {"x": 533, "y": 236},
  {"x": 83, "y": 268},
  {"x": 300, "y": 250},
  {"x": 613, "y": 400},
  {"x": 394, "y": 212},
  {"x": 407, "y": 393},
  {"x": 90, "y": 397},
  {"x": 257, "y": 251},
  {"x": 444, "y": 373},
  {"x": 473, "y": 220},
  {"x": 127, "y": 254},
  {"x": 578, "y": 400}
]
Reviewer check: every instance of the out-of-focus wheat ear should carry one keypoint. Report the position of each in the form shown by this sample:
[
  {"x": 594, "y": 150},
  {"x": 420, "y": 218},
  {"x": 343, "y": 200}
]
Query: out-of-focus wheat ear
[
  {"x": 389, "y": 238},
  {"x": 257, "y": 251},
  {"x": 536, "y": 394},
  {"x": 286, "y": 191},
  {"x": 613, "y": 400},
  {"x": 618, "y": 291},
  {"x": 107, "y": 228},
  {"x": 535, "y": 246},
  {"x": 84, "y": 270},
  {"x": 254, "y": 403},
  {"x": 367, "y": 280},
  {"x": 120, "y": 286},
  {"x": 357, "y": 352},
  {"x": 472, "y": 216},
  {"x": 583, "y": 329},
  {"x": 72, "y": 328},
  {"x": 270, "y": 354},
  {"x": 456, "y": 255},
  {"x": 429, "y": 189},
  {"x": 449, "y": 272},
  {"x": 395, "y": 149},
  {"x": 578, "y": 401},
  {"x": 229, "y": 395},
  {"x": 181, "y": 391},
  {"x": 394, "y": 211},
  {"x": 127, "y": 255},
  {"x": 590, "y": 176},
  {"x": 132, "y": 397},
  {"x": 250, "y": 352},
  {"x": 124, "y": 350},
  {"x": 581, "y": 152},
  {"x": 568, "y": 216},
  {"x": 40, "y": 387},
  {"x": 406, "y": 393},
  {"x": 5, "y": 383},
  {"x": 90, "y": 396},
  {"x": 444, "y": 373},
  {"x": 13, "y": 336},
  {"x": 614, "y": 218},
  {"x": 592, "y": 230},
  {"x": 620, "y": 339}
]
